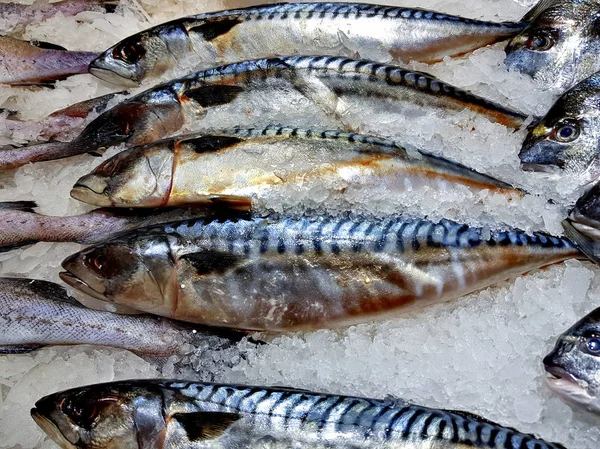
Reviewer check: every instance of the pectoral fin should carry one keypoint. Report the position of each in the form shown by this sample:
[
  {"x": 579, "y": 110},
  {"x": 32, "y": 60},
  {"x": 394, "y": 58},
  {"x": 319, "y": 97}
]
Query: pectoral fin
[
  {"x": 212, "y": 262},
  {"x": 212, "y": 29},
  {"x": 208, "y": 96},
  {"x": 206, "y": 425},
  {"x": 19, "y": 349}
]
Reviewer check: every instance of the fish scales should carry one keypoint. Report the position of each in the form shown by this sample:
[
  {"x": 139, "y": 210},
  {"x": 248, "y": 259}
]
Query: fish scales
[
  {"x": 255, "y": 273},
  {"x": 382, "y": 32},
  {"x": 251, "y": 416}
]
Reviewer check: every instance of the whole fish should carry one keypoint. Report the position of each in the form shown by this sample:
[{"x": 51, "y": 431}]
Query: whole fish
[
  {"x": 567, "y": 138},
  {"x": 39, "y": 63},
  {"x": 343, "y": 29},
  {"x": 37, "y": 313},
  {"x": 560, "y": 45},
  {"x": 272, "y": 274},
  {"x": 255, "y": 166},
  {"x": 573, "y": 366},
  {"x": 172, "y": 414},
  {"x": 20, "y": 225},
  {"x": 331, "y": 85}
]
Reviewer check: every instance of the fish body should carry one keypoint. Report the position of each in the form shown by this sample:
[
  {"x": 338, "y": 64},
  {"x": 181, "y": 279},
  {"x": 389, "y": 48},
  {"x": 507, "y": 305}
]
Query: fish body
[
  {"x": 381, "y": 32},
  {"x": 171, "y": 414},
  {"x": 567, "y": 138},
  {"x": 258, "y": 166},
  {"x": 560, "y": 46},
  {"x": 284, "y": 274},
  {"x": 573, "y": 366},
  {"x": 22, "y": 63}
]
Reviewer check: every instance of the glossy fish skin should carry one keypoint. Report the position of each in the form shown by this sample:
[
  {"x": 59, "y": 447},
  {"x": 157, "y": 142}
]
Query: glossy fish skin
[
  {"x": 243, "y": 165},
  {"x": 573, "y": 366},
  {"x": 382, "y": 32},
  {"x": 560, "y": 46},
  {"x": 585, "y": 216},
  {"x": 567, "y": 138},
  {"x": 253, "y": 273},
  {"x": 37, "y": 313},
  {"x": 172, "y": 414},
  {"x": 22, "y": 63}
]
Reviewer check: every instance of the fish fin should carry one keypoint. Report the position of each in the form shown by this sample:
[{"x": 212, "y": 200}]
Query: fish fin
[
  {"x": 47, "y": 45},
  {"x": 540, "y": 7},
  {"x": 211, "y": 29},
  {"x": 237, "y": 203},
  {"x": 323, "y": 96},
  {"x": 23, "y": 206},
  {"x": 589, "y": 247},
  {"x": 207, "y": 96},
  {"x": 212, "y": 262},
  {"x": 208, "y": 144},
  {"x": 206, "y": 425},
  {"x": 19, "y": 349}
]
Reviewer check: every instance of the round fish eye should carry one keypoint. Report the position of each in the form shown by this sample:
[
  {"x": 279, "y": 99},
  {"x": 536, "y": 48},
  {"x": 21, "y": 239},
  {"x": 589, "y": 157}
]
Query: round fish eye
[
  {"x": 80, "y": 413},
  {"x": 593, "y": 345},
  {"x": 101, "y": 264},
  {"x": 129, "y": 51},
  {"x": 566, "y": 132},
  {"x": 540, "y": 42}
]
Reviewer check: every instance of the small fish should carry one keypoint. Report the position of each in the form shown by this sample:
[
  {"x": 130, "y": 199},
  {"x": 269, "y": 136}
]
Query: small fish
[
  {"x": 560, "y": 45},
  {"x": 254, "y": 273},
  {"x": 37, "y": 313},
  {"x": 252, "y": 165},
  {"x": 332, "y": 86},
  {"x": 172, "y": 414},
  {"x": 38, "y": 63},
  {"x": 567, "y": 138},
  {"x": 573, "y": 366},
  {"x": 342, "y": 29}
]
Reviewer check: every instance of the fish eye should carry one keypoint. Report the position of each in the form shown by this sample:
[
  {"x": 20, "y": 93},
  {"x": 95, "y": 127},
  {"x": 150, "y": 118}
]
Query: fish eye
[
  {"x": 129, "y": 51},
  {"x": 540, "y": 41},
  {"x": 101, "y": 264},
  {"x": 566, "y": 132},
  {"x": 593, "y": 345},
  {"x": 80, "y": 412}
]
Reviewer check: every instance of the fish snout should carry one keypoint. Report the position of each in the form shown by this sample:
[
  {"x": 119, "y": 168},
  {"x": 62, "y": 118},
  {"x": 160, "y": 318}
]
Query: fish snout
[
  {"x": 92, "y": 189},
  {"x": 102, "y": 68},
  {"x": 541, "y": 155}
]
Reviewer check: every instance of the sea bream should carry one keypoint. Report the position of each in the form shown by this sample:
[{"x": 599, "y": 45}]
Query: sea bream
[
  {"x": 280, "y": 274},
  {"x": 173, "y": 414},
  {"x": 324, "y": 89},
  {"x": 560, "y": 45},
  {"x": 378, "y": 32},
  {"x": 35, "y": 313},
  {"x": 260, "y": 167}
]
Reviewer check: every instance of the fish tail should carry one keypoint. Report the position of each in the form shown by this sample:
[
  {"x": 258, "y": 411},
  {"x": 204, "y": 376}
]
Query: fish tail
[
  {"x": 13, "y": 158},
  {"x": 23, "y": 206},
  {"x": 588, "y": 247}
]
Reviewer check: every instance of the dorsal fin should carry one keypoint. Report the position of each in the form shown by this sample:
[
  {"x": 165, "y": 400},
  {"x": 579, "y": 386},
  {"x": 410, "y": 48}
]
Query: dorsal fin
[
  {"x": 214, "y": 28},
  {"x": 213, "y": 95},
  {"x": 205, "y": 425},
  {"x": 540, "y": 7},
  {"x": 47, "y": 45},
  {"x": 207, "y": 144},
  {"x": 212, "y": 262},
  {"x": 23, "y": 206}
]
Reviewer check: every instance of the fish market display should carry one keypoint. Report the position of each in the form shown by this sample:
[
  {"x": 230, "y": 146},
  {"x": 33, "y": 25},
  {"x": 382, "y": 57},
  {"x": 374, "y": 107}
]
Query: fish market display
[
  {"x": 244, "y": 166},
  {"x": 255, "y": 273},
  {"x": 23, "y": 63},
  {"x": 170, "y": 414},
  {"x": 332, "y": 86},
  {"x": 560, "y": 46},
  {"x": 291, "y": 29},
  {"x": 573, "y": 366},
  {"x": 36, "y": 313}
]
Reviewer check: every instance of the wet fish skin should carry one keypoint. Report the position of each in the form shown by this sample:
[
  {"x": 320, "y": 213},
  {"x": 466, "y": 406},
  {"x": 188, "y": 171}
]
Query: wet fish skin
[
  {"x": 573, "y": 366},
  {"x": 175, "y": 414},
  {"x": 250, "y": 165},
  {"x": 294, "y": 28},
  {"x": 585, "y": 216},
  {"x": 567, "y": 138},
  {"x": 560, "y": 46},
  {"x": 253, "y": 273}
]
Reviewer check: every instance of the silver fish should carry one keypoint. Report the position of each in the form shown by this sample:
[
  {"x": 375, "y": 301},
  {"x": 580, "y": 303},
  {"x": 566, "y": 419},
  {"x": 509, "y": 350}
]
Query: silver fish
[
  {"x": 246, "y": 167},
  {"x": 573, "y": 366},
  {"x": 585, "y": 216},
  {"x": 567, "y": 138},
  {"x": 381, "y": 32},
  {"x": 171, "y": 414},
  {"x": 284, "y": 274},
  {"x": 37, "y": 313},
  {"x": 560, "y": 45},
  {"x": 331, "y": 85}
]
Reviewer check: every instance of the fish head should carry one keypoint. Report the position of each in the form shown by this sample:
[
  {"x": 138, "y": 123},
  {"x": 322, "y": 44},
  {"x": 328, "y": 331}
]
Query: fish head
[
  {"x": 561, "y": 44},
  {"x": 573, "y": 366},
  {"x": 135, "y": 270},
  {"x": 139, "y": 177},
  {"x": 585, "y": 216},
  {"x": 567, "y": 138},
  {"x": 105, "y": 416}
]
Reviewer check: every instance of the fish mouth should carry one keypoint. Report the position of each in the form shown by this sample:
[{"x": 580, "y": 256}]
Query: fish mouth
[
  {"x": 541, "y": 168},
  {"x": 559, "y": 373},
  {"x": 51, "y": 429},
  {"x": 73, "y": 281},
  {"x": 569, "y": 387},
  {"x": 90, "y": 189},
  {"x": 105, "y": 74}
]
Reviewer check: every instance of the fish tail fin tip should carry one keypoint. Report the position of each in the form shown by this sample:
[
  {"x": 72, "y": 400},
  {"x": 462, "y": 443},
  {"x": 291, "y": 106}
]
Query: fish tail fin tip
[{"x": 23, "y": 206}]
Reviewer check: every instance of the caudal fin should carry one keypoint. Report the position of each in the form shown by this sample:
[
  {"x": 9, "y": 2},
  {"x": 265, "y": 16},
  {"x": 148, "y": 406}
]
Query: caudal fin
[{"x": 12, "y": 158}]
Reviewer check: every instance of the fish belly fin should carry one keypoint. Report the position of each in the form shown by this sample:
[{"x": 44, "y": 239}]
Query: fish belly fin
[
  {"x": 23, "y": 206},
  {"x": 212, "y": 262},
  {"x": 540, "y": 7},
  {"x": 206, "y": 425},
  {"x": 211, "y": 29},
  {"x": 215, "y": 95},
  {"x": 19, "y": 349},
  {"x": 589, "y": 247}
]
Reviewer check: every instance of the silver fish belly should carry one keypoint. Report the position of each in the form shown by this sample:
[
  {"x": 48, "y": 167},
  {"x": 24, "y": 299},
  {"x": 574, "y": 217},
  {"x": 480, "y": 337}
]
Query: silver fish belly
[
  {"x": 378, "y": 32},
  {"x": 165, "y": 414}
]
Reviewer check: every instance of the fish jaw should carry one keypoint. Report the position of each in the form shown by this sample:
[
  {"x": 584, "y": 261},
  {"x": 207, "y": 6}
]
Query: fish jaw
[
  {"x": 99, "y": 68},
  {"x": 44, "y": 414},
  {"x": 570, "y": 389},
  {"x": 90, "y": 189}
]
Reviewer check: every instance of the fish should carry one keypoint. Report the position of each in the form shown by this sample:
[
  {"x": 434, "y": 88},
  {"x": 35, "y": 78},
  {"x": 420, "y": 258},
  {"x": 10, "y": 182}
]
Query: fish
[
  {"x": 25, "y": 63},
  {"x": 573, "y": 365},
  {"x": 341, "y": 29},
  {"x": 565, "y": 140},
  {"x": 332, "y": 86},
  {"x": 585, "y": 215},
  {"x": 35, "y": 314},
  {"x": 179, "y": 414},
  {"x": 253, "y": 273},
  {"x": 20, "y": 225},
  {"x": 560, "y": 45},
  {"x": 246, "y": 167}
]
